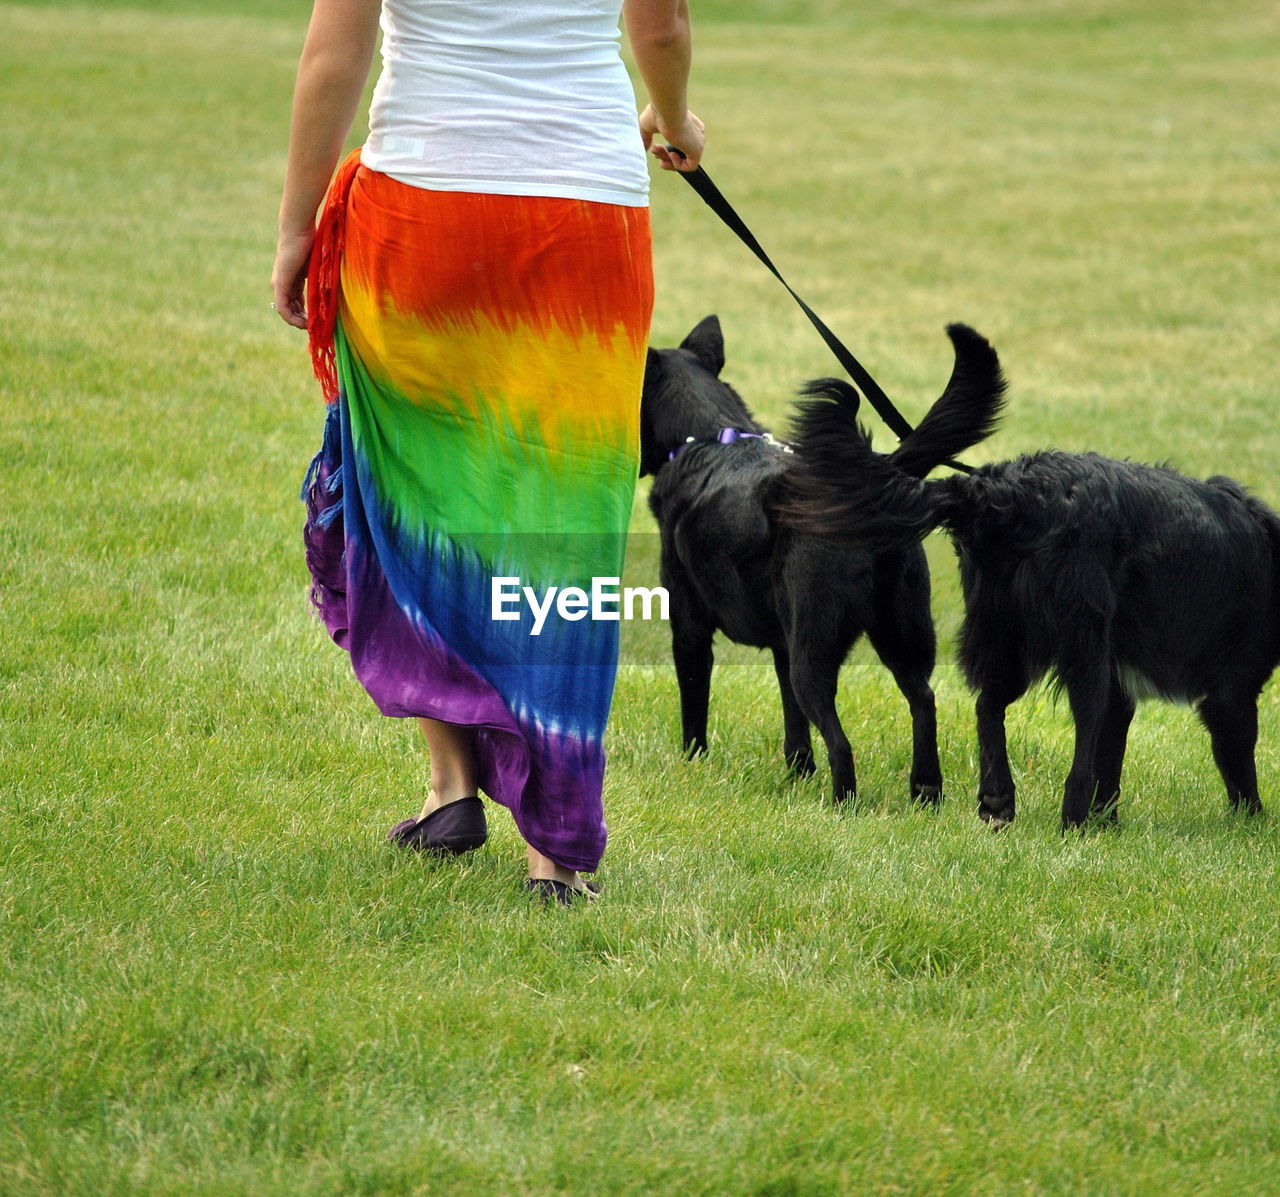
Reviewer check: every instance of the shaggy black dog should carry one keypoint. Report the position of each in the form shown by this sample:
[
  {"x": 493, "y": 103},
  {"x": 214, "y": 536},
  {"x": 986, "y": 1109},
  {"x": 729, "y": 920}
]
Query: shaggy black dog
[
  {"x": 1125, "y": 581},
  {"x": 727, "y": 564}
]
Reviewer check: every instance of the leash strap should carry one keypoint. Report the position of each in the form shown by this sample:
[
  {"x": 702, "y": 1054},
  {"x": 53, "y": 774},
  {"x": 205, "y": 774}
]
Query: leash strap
[
  {"x": 701, "y": 182},
  {"x": 710, "y": 194}
]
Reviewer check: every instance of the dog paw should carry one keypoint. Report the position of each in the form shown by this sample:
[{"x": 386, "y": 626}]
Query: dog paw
[
  {"x": 802, "y": 764},
  {"x": 927, "y": 795},
  {"x": 994, "y": 811}
]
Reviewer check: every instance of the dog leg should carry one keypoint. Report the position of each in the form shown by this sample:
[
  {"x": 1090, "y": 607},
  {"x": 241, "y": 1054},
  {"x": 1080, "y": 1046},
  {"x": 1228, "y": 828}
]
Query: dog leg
[
  {"x": 996, "y": 791},
  {"x": 1233, "y": 729},
  {"x": 1087, "y": 690},
  {"x": 926, "y": 769},
  {"x": 691, "y": 649},
  {"x": 1109, "y": 759},
  {"x": 797, "y": 745},
  {"x": 814, "y": 685},
  {"x": 908, "y": 652},
  {"x": 992, "y": 652}
]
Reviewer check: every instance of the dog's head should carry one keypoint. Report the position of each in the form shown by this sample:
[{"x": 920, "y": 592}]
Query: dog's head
[{"x": 685, "y": 397}]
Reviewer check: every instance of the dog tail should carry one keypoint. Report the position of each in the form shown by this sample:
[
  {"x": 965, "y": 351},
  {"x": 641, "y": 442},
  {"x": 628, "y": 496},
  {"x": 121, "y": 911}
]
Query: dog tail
[
  {"x": 840, "y": 487},
  {"x": 967, "y": 411}
]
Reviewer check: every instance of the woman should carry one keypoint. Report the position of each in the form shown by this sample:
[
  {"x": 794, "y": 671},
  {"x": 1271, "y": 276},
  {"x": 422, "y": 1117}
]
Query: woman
[{"x": 477, "y": 295}]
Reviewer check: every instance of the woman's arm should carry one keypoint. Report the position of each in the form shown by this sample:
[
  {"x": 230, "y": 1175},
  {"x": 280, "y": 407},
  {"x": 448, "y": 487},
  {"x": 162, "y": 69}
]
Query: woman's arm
[
  {"x": 331, "y": 77},
  {"x": 658, "y": 31}
]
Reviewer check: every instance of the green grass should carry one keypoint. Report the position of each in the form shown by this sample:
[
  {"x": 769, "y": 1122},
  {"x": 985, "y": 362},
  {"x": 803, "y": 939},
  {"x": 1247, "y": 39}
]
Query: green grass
[{"x": 216, "y": 980}]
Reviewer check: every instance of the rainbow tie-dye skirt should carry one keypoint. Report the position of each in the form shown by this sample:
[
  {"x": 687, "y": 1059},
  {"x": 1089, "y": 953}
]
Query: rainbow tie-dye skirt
[{"x": 488, "y": 353}]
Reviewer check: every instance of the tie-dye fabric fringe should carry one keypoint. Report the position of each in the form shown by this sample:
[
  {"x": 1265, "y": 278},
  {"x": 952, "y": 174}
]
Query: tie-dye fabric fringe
[{"x": 489, "y": 353}]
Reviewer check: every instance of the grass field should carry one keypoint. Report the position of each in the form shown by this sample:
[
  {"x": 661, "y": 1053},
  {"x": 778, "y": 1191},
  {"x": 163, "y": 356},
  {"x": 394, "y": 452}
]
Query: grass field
[{"x": 214, "y": 976}]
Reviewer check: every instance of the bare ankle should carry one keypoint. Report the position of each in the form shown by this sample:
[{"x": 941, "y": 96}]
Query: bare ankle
[{"x": 544, "y": 867}]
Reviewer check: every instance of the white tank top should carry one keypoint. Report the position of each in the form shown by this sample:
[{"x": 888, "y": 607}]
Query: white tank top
[{"x": 507, "y": 97}]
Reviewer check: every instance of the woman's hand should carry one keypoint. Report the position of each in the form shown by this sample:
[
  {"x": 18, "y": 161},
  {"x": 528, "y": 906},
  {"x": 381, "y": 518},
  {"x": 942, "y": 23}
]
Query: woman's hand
[
  {"x": 688, "y": 136},
  {"x": 289, "y": 276},
  {"x": 661, "y": 44}
]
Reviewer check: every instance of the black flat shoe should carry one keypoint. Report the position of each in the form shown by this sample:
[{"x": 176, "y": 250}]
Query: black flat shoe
[
  {"x": 448, "y": 830},
  {"x": 550, "y": 890}
]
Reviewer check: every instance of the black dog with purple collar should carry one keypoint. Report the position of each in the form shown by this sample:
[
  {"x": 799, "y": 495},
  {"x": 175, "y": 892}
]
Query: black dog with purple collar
[{"x": 729, "y": 564}]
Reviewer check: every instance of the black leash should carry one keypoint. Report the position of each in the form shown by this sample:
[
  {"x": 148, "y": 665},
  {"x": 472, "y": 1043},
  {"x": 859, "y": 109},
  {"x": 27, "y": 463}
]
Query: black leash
[{"x": 701, "y": 182}]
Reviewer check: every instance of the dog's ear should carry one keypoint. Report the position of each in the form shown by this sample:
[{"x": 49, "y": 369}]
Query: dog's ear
[{"x": 706, "y": 343}]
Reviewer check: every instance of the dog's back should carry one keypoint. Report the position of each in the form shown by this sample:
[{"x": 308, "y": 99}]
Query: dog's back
[{"x": 1058, "y": 550}]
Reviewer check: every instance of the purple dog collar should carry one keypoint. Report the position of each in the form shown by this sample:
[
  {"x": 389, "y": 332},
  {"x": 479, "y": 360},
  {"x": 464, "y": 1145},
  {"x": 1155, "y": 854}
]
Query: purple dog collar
[{"x": 726, "y": 437}]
